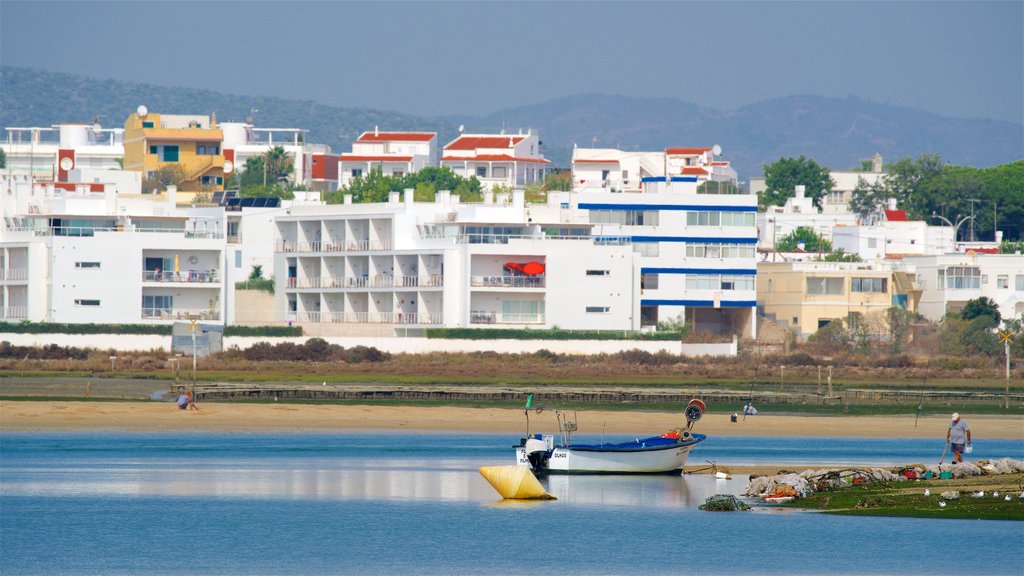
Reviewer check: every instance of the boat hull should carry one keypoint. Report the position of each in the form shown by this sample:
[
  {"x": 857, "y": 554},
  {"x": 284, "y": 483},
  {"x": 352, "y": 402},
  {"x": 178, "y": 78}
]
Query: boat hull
[{"x": 615, "y": 458}]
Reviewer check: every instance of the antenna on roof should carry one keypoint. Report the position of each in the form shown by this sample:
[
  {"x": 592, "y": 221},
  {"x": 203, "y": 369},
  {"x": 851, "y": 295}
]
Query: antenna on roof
[{"x": 376, "y": 130}]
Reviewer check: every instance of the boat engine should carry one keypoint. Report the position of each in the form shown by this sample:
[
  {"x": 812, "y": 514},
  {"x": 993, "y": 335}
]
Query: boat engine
[{"x": 537, "y": 454}]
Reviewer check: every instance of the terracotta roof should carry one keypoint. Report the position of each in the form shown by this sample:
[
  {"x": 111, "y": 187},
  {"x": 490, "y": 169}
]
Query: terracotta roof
[
  {"x": 694, "y": 170},
  {"x": 474, "y": 142},
  {"x": 362, "y": 158},
  {"x": 397, "y": 136},
  {"x": 594, "y": 161},
  {"x": 493, "y": 158},
  {"x": 896, "y": 216},
  {"x": 720, "y": 163},
  {"x": 685, "y": 151}
]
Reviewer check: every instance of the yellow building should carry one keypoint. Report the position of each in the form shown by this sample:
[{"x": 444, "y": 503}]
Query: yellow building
[
  {"x": 193, "y": 143},
  {"x": 806, "y": 296}
]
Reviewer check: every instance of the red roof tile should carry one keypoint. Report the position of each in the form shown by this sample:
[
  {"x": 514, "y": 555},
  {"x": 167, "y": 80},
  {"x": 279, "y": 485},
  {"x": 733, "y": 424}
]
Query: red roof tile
[
  {"x": 362, "y": 158},
  {"x": 474, "y": 142},
  {"x": 685, "y": 151},
  {"x": 492, "y": 158},
  {"x": 694, "y": 170},
  {"x": 397, "y": 136},
  {"x": 895, "y": 215}
]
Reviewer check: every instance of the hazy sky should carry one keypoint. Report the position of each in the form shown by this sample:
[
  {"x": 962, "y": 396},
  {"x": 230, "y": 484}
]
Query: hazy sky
[{"x": 961, "y": 59}]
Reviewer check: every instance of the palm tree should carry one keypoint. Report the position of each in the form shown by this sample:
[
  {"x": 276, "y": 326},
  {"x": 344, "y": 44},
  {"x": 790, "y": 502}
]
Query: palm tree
[{"x": 277, "y": 166}]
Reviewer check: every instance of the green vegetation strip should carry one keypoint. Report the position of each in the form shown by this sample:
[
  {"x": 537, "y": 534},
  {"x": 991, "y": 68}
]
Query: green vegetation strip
[{"x": 908, "y": 499}]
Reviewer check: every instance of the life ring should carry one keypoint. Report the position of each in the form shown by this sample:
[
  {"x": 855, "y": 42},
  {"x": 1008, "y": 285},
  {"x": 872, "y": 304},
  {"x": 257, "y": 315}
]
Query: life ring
[{"x": 696, "y": 402}]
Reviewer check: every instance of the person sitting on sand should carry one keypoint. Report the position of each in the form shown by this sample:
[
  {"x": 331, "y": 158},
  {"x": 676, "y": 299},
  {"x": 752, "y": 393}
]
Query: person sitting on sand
[
  {"x": 958, "y": 434},
  {"x": 191, "y": 401},
  {"x": 183, "y": 400}
]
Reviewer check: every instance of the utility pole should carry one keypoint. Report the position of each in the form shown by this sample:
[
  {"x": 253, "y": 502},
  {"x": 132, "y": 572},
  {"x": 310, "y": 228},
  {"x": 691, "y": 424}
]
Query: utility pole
[
  {"x": 972, "y": 201},
  {"x": 1005, "y": 338}
]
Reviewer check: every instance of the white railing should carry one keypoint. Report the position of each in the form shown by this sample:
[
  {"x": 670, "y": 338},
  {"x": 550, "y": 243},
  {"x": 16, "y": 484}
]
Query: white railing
[
  {"x": 378, "y": 281},
  {"x": 484, "y": 317},
  {"x": 369, "y": 317},
  {"x": 318, "y": 246},
  {"x": 180, "y": 314},
  {"x": 15, "y": 311},
  {"x": 508, "y": 281},
  {"x": 15, "y": 274},
  {"x": 186, "y": 276}
]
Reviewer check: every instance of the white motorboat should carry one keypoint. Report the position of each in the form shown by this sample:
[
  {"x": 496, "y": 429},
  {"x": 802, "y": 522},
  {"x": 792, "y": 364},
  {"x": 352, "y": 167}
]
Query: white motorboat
[{"x": 664, "y": 454}]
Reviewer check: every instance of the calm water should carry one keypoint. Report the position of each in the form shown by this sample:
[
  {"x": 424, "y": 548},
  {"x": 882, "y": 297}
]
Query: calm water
[{"x": 414, "y": 504}]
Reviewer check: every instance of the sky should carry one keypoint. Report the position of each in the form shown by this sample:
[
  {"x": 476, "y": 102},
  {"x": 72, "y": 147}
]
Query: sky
[{"x": 958, "y": 59}]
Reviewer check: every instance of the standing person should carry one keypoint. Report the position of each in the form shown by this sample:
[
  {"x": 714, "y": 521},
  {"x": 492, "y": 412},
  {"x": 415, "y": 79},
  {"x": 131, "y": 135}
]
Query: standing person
[{"x": 958, "y": 435}]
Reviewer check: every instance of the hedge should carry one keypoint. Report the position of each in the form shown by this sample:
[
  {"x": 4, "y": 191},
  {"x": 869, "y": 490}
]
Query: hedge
[
  {"x": 554, "y": 334},
  {"x": 153, "y": 329}
]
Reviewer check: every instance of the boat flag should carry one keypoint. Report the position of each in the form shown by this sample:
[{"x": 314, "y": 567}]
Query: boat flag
[{"x": 529, "y": 401}]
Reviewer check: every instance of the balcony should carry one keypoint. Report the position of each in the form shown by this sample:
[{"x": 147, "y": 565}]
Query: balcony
[
  {"x": 290, "y": 246},
  {"x": 15, "y": 312},
  {"x": 185, "y": 277},
  {"x": 484, "y": 317},
  {"x": 180, "y": 314},
  {"x": 369, "y": 318},
  {"x": 15, "y": 275},
  {"x": 378, "y": 281},
  {"x": 507, "y": 281}
]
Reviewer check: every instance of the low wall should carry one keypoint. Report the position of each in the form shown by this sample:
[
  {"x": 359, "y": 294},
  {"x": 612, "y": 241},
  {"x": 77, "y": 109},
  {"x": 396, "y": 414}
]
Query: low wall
[{"x": 134, "y": 342}]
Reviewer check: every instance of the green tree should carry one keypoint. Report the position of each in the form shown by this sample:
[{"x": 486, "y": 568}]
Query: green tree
[
  {"x": 979, "y": 336},
  {"x": 783, "y": 175},
  {"x": 257, "y": 272},
  {"x": 912, "y": 182},
  {"x": 983, "y": 306},
  {"x": 279, "y": 166},
  {"x": 840, "y": 255},
  {"x": 898, "y": 321},
  {"x": 3, "y": 158},
  {"x": 162, "y": 177},
  {"x": 557, "y": 181},
  {"x": 868, "y": 199},
  {"x": 813, "y": 242}
]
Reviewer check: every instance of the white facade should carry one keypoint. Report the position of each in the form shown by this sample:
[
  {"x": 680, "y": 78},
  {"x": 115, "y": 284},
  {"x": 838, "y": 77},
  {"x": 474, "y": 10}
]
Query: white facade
[
  {"x": 394, "y": 153},
  {"x": 243, "y": 141},
  {"x": 105, "y": 257},
  {"x": 39, "y": 151},
  {"x": 612, "y": 170},
  {"x": 497, "y": 160},
  {"x": 949, "y": 281}
]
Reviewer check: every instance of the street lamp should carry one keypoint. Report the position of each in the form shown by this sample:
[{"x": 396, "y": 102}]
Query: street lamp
[{"x": 959, "y": 221}]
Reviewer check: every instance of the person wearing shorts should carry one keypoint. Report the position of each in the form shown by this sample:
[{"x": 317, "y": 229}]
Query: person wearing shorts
[{"x": 958, "y": 436}]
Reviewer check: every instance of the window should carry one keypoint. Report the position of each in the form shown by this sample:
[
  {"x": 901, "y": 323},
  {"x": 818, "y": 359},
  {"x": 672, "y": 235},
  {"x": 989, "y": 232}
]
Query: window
[
  {"x": 1002, "y": 281},
  {"x": 701, "y": 218},
  {"x": 148, "y": 125},
  {"x": 87, "y": 302},
  {"x": 823, "y": 286},
  {"x": 1019, "y": 283},
  {"x": 211, "y": 180},
  {"x": 201, "y": 150},
  {"x": 481, "y": 171},
  {"x": 87, "y": 265},
  {"x": 962, "y": 278},
  {"x": 238, "y": 259},
  {"x": 522, "y": 311},
  {"x": 398, "y": 173},
  {"x": 597, "y": 309},
  {"x": 649, "y": 282},
  {"x": 694, "y": 250},
  {"x": 598, "y": 272},
  {"x": 625, "y": 217},
  {"x": 498, "y": 172},
  {"x": 170, "y": 153},
  {"x": 357, "y": 172},
  {"x": 872, "y": 242},
  {"x": 625, "y": 174},
  {"x": 646, "y": 248},
  {"x": 154, "y": 149},
  {"x": 157, "y": 306},
  {"x": 868, "y": 285}
]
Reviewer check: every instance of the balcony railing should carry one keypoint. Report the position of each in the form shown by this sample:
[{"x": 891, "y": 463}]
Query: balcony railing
[
  {"x": 318, "y": 246},
  {"x": 368, "y": 318},
  {"x": 379, "y": 281},
  {"x": 484, "y": 317},
  {"x": 15, "y": 274},
  {"x": 508, "y": 281},
  {"x": 15, "y": 312},
  {"x": 180, "y": 314},
  {"x": 187, "y": 276}
]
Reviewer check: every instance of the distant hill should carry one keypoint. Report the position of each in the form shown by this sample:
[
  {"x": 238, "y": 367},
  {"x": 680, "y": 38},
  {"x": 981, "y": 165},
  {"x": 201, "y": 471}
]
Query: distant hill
[{"x": 835, "y": 132}]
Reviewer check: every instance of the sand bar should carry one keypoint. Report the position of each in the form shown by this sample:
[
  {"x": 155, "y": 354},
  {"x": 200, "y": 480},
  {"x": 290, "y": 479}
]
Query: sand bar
[{"x": 237, "y": 417}]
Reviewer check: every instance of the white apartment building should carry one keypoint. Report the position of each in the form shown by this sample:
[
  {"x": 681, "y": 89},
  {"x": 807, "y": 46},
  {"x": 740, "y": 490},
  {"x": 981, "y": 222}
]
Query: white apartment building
[
  {"x": 242, "y": 141},
  {"x": 505, "y": 160},
  {"x": 49, "y": 153},
  {"x": 402, "y": 265},
  {"x": 697, "y": 247},
  {"x": 393, "y": 153},
  {"x": 837, "y": 201},
  {"x": 107, "y": 257},
  {"x": 949, "y": 281}
]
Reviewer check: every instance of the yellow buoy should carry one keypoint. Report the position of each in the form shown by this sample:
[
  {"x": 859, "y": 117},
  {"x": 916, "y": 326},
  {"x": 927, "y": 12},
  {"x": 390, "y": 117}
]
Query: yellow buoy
[{"x": 515, "y": 482}]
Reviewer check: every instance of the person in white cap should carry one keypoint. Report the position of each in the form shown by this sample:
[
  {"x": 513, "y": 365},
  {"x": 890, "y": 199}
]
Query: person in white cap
[{"x": 958, "y": 435}]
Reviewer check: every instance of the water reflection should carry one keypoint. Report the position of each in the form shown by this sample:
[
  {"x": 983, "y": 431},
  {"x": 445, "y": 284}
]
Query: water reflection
[{"x": 402, "y": 479}]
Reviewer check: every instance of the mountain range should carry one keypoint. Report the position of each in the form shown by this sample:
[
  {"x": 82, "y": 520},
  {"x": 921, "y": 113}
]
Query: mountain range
[{"x": 837, "y": 132}]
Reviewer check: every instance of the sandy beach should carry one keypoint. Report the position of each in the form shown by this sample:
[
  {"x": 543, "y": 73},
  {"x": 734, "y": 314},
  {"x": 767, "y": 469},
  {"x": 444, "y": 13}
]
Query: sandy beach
[{"x": 254, "y": 418}]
